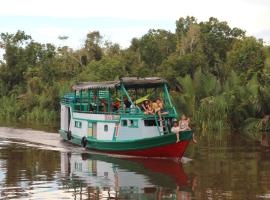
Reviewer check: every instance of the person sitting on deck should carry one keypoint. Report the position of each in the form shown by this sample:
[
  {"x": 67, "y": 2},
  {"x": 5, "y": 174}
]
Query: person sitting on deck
[
  {"x": 116, "y": 105},
  {"x": 175, "y": 129},
  {"x": 126, "y": 102},
  {"x": 158, "y": 108},
  {"x": 103, "y": 105},
  {"x": 148, "y": 110},
  {"x": 184, "y": 125}
]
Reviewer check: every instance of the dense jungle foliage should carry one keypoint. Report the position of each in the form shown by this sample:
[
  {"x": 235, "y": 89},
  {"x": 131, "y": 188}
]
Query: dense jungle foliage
[{"x": 218, "y": 75}]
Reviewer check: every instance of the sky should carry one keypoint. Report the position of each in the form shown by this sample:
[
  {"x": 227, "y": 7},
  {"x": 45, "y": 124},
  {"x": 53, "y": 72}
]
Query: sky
[{"x": 121, "y": 20}]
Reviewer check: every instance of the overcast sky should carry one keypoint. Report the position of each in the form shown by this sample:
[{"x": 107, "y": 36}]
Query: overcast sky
[{"x": 121, "y": 20}]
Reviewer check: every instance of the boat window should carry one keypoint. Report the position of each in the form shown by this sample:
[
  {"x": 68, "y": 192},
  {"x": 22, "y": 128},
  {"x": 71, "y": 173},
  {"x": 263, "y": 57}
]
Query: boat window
[
  {"x": 78, "y": 124},
  {"x": 133, "y": 123},
  {"x": 106, "y": 128},
  {"x": 150, "y": 123},
  {"x": 124, "y": 122}
]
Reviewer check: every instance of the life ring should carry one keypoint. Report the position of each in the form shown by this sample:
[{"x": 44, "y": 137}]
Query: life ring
[
  {"x": 69, "y": 136},
  {"x": 84, "y": 142}
]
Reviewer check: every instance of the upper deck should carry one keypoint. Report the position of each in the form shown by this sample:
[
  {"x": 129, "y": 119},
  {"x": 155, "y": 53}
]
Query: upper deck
[{"x": 122, "y": 97}]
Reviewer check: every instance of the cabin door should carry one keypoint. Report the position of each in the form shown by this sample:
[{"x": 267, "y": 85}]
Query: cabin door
[
  {"x": 90, "y": 129},
  {"x": 65, "y": 118},
  {"x": 94, "y": 130}
]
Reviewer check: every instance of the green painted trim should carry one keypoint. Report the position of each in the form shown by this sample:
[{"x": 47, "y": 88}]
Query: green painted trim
[
  {"x": 157, "y": 125},
  {"x": 132, "y": 116},
  {"x": 114, "y": 133},
  {"x": 166, "y": 91},
  {"x": 125, "y": 145},
  {"x": 126, "y": 93}
]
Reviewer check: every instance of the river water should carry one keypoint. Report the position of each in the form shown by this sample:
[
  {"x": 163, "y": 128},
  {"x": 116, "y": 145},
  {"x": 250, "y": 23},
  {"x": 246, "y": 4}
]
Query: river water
[{"x": 38, "y": 165}]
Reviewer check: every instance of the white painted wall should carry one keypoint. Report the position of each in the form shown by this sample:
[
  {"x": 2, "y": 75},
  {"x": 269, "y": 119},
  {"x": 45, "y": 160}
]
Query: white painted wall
[
  {"x": 89, "y": 116},
  {"x": 128, "y": 133},
  {"x": 105, "y": 135},
  {"x": 81, "y": 132},
  {"x": 64, "y": 118}
]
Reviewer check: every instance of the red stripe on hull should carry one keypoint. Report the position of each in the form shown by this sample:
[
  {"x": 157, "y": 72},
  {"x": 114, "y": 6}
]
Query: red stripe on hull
[{"x": 171, "y": 150}]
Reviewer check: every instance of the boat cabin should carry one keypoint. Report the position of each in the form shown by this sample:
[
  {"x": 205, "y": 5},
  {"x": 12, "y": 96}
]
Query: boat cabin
[{"x": 113, "y": 110}]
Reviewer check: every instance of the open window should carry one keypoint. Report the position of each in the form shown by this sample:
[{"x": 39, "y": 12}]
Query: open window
[
  {"x": 133, "y": 123},
  {"x": 124, "y": 122},
  {"x": 151, "y": 122},
  {"x": 106, "y": 128}
]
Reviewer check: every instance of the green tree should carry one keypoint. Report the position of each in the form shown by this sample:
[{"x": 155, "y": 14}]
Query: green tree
[
  {"x": 246, "y": 56},
  {"x": 155, "y": 46}
]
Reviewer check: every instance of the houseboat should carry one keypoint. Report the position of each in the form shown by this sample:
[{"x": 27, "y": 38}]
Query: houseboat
[{"x": 108, "y": 117}]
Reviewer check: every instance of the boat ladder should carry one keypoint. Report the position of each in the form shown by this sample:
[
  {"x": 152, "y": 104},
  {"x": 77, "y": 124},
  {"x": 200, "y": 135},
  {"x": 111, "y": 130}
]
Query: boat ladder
[{"x": 162, "y": 126}]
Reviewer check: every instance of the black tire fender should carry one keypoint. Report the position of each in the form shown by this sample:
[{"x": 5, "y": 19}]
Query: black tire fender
[
  {"x": 84, "y": 142},
  {"x": 69, "y": 135}
]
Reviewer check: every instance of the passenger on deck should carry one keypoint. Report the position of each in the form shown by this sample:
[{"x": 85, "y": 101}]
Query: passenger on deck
[
  {"x": 175, "y": 129},
  {"x": 158, "y": 107},
  {"x": 148, "y": 110},
  {"x": 116, "y": 105},
  {"x": 184, "y": 125},
  {"x": 103, "y": 105},
  {"x": 126, "y": 102}
]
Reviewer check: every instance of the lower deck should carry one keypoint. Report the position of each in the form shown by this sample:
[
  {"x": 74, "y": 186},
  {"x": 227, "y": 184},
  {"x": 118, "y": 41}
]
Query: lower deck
[{"x": 160, "y": 146}]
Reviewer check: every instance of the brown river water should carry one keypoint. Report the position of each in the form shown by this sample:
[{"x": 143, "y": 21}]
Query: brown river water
[{"x": 39, "y": 165}]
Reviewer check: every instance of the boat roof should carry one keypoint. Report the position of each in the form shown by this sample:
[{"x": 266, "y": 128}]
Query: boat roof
[
  {"x": 95, "y": 85},
  {"x": 147, "y": 82},
  {"x": 128, "y": 82}
]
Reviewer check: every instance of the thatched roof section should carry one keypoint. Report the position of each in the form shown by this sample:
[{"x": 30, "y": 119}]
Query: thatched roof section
[
  {"x": 128, "y": 82},
  {"x": 96, "y": 85},
  {"x": 147, "y": 82}
]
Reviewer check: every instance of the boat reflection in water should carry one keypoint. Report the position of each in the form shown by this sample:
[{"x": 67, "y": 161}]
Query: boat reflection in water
[{"x": 99, "y": 176}]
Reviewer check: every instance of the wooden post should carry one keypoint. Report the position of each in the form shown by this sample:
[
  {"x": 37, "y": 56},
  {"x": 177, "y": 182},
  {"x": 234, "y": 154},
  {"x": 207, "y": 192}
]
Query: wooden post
[
  {"x": 80, "y": 100},
  {"x": 122, "y": 98},
  {"x": 89, "y": 100},
  {"x": 97, "y": 102},
  {"x": 109, "y": 101}
]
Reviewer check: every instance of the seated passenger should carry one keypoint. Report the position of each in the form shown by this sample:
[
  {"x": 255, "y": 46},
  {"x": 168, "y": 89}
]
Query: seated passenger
[
  {"x": 116, "y": 105},
  {"x": 184, "y": 125},
  {"x": 175, "y": 129},
  {"x": 103, "y": 105},
  {"x": 126, "y": 102},
  {"x": 148, "y": 110},
  {"x": 158, "y": 107}
]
